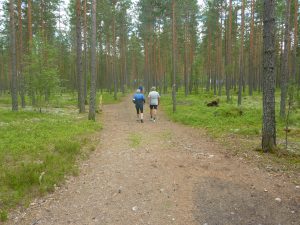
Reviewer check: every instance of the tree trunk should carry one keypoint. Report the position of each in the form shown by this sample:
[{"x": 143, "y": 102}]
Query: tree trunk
[
  {"x": 294, "y": 68},
  {"x": 146, "y": 67},
  {"x": 30, "y": 43},
  {"x": 114, "y": 51},
  {"x": 191, "y": 79},
  {"x": 21, "y": 77},
  {"x": 29, "y": 25},
  {"x": 93, "y": 64},
  {"x": 241, "y": 55},
  {"x": 150, "y": 68},
  {"x": 251, "y": 50},
  {"x": 79, "y": 58},
  {"x": 285, "y": 61},
  {"x": 123, "y": 53},
  {"x": 108, "y": 71},
  {"x": 186, "y": 76},
  {"x": 269, "y": 125},
  {"x": 85, "y": 51},
  {"x": 220, "y": 76},
  {"x": 228, "y": 53},
  {"x": 14, "y": 76},
  {"x": 208, "y": 60},
  {"x": 174, "y": 56}
]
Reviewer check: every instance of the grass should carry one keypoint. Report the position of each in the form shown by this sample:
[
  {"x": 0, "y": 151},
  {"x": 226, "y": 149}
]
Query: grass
[
  {"x": 65, "y": 99},
  {"x": 229, "y": 121},
  {"x": 33, "y": 144},
  {"x": 135, "y": 140},
  {"x": 38, "y": 150},
  {"x": 109, "y": 98}
]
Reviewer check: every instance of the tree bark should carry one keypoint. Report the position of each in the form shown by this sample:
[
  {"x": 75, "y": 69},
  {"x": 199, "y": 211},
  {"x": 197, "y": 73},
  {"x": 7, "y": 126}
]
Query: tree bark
[
  {"x": 251, "y": 50},
  {"x": 241, "y": 54},
  {"x": 146, "y": 66},
  {"x": 21, "y": 76},
  {"x": 228, "y": 53},
  {"x": 85, "y": 51},
  {"x": 269, "y": 124},
  {"x": 285, "y": 61},
  {"x": 294, "y": 69},
  {"x": 114, "y": 50},
  {"x": 220, "y": 76},
  {"x": 123, "y": 51},
  {"x": 174, "y": 56},
  {"x": 30, "y": 43},
  {"x": 93, "y": 64},
  {"x": 186, "y": 75},
  {"x": 108, "y": 71},
  {"x": 29, "y": 25},
  {"x": 208, "y": 59},
  {"x": 14, "y": 76},
  {"x": 81, "y": 104}
]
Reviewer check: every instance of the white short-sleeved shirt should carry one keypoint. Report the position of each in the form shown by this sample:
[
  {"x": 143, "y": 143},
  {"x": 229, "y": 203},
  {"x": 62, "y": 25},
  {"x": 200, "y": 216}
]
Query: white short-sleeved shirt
[{"x": 154, "y": 96}]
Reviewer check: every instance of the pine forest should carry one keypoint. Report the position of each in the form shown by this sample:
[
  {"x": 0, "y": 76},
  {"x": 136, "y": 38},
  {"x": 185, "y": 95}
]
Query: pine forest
[{"x": 226, "y": 70}]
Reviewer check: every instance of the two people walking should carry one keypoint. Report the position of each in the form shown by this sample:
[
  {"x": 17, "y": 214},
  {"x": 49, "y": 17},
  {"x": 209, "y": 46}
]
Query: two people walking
[{"x": 139, "y": 101}]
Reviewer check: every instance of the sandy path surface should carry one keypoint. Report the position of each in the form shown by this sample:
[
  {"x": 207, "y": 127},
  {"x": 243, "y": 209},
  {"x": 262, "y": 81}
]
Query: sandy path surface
[{"x": 164, "y": 173}]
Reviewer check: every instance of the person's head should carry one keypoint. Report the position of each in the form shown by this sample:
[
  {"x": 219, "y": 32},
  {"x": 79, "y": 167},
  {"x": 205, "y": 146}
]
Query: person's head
[
  {"x": 138, "y": 91},
  {"x": 141, "y": 88},
  {"x": 153, "y": 89}
]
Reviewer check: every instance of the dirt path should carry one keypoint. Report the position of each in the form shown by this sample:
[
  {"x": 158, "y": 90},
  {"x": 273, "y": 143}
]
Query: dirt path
[{"x": 164, "y": 173}]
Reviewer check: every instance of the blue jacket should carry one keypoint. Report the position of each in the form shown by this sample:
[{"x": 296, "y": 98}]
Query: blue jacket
[{"x": 138, "y": 98}]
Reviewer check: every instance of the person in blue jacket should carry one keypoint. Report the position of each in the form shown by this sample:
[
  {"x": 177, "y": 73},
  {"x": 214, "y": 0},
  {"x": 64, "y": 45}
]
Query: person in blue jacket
[{"x": 139, "y": 101}]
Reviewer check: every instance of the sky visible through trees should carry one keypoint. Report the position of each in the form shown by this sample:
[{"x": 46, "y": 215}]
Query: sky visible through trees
[{"x": 64, "y": 4}]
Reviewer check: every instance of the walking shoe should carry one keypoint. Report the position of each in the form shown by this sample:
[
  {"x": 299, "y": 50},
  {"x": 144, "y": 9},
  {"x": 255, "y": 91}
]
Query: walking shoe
[{"x": 142, "y": 121}]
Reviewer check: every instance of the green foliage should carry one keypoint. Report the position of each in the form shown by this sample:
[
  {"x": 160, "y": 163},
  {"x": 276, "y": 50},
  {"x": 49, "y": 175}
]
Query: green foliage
[
  {"x": 108, "y": 98},
  {"x": 3, "y": 215},
  {"x": 5, "y": 100},
  {"x": 37, "y": 150},
  {"x": 227, "y": 119},
  {"x": 41, "y": 71}
]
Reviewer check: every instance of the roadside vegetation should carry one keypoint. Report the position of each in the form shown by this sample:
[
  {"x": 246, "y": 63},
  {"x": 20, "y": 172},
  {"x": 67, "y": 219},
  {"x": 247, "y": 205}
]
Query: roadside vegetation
[
  {"x": 38, "y": 149},
  {"x": 237, "y": 126}
]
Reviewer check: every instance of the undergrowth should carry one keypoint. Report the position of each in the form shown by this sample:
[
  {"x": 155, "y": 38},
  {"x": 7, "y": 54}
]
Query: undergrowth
[
  {"x": 38, "y": 150},
  {"x": 229, "y": 121},
  {"x": 64, "y": 100}
]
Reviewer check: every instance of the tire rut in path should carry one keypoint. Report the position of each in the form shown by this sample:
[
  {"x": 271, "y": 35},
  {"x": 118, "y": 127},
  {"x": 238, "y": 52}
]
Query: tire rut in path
[{"x": 163, "y": 173}]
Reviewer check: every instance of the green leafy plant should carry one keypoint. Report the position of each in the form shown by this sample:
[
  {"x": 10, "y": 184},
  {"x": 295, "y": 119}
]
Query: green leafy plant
[{"x": 3, "y": 215}]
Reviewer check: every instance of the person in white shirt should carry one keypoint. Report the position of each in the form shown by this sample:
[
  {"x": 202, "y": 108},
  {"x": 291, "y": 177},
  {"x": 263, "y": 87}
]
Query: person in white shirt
[{"x": 154, "y": 102}]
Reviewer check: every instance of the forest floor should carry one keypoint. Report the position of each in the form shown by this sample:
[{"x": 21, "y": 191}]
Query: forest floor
[{"x": 164, "y": 173}]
